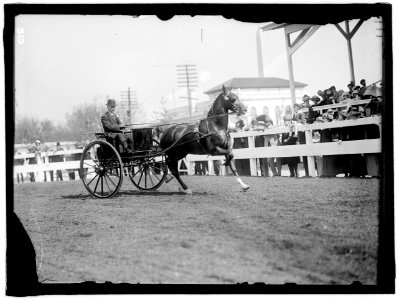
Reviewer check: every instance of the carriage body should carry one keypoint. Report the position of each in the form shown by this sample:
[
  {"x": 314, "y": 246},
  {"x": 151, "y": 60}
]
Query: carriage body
[{"x": 104, "y": 163}]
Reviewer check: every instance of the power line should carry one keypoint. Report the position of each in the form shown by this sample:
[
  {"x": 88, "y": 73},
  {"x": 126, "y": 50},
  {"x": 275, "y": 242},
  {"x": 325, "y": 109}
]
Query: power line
[{"x": 187, "y": 77}]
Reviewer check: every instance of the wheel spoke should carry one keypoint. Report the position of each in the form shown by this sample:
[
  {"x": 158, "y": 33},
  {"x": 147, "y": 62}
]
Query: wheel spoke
[
  {"x": 106, "y": 182},
  {"x": 145, "y": 177},
  {"x": 141, "y": 167},
  {"x": 154, "y": 174},
  {"x": 95, "y": 189},
  {"x": 93, "y": 166},
  {"x": 108, "y": 161},
  {"x": 141, "y": 177},
  {"x": 92, "y": 180},
  {"x": 160, "y": 170},
  {"x": 110, "y": 179},
  {"x": 102, "y": 185},
  {"x": 83, "y": 174}
]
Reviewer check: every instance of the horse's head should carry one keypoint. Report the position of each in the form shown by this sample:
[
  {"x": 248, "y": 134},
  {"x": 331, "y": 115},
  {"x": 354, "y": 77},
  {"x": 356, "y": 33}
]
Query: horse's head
[{"x": 233, "y": 103}]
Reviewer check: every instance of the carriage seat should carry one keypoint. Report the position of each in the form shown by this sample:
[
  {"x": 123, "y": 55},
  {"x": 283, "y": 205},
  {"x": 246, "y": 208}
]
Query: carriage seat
[
  {"x": 114, "y": 142},
  {"x": 109, "y": 139}
]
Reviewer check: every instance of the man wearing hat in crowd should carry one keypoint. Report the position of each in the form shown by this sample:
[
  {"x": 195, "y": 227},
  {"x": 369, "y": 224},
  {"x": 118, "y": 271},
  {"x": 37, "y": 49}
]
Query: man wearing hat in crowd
[
  {"x": 354, "y": 113},
  {"x": 305, "y": 100},
  {"x": 263, "y": 122},
  {"x": 112, "y": 126},
  {"x": 350, "y": 88},
  {"x": 312, "y": 115},
  {"x": 355, "y": 93},
  {"x": 321, "y": 94}
]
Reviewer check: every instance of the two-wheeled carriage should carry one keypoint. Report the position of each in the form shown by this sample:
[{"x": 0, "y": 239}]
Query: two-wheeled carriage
[{"x": 104, "y": 163}]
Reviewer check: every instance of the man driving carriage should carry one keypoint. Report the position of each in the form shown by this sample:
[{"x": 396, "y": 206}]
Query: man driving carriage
[{"x": 113, "y": 126}]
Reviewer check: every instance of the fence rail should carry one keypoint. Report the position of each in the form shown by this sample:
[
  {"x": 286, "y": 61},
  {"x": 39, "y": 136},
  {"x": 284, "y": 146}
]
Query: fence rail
[{"x": 310, "y": 149}]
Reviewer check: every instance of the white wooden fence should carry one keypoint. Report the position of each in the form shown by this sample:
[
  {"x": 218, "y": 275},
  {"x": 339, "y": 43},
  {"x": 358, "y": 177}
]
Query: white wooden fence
[{"x": 310, "y": 149}]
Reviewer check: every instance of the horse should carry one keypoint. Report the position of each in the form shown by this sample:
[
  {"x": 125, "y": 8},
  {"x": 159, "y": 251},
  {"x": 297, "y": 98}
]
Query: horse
[{"x": 208, "y": 137}]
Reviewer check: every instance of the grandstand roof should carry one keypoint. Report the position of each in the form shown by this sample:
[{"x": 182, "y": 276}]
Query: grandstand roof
[{"x": 254, "y": 82}]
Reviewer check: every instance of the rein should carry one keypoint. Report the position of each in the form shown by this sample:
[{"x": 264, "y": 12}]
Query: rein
[{"x": 184, "y": 123}]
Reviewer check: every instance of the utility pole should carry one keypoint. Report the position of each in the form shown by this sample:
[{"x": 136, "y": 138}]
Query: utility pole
[
  {"x": 129, "y": 103},
  {"x": 187, "y": 77}
]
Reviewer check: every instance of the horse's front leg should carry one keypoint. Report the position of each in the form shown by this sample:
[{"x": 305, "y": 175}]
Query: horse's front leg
[
  {"x": 229, "y": 159},
  {"x": 172, "y": 163}
]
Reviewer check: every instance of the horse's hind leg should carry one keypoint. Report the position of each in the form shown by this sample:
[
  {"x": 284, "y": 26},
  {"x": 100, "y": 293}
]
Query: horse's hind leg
[
  {"x": 173, "y": 167},
  {"x": 229, "y": 158}
]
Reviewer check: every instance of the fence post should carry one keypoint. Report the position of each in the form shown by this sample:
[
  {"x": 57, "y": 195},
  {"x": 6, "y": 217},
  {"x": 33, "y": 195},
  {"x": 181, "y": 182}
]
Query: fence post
[
  {"x": 252, "y": 161},
  {"x": 309, "y": 140},
  {"x": 46, "y": 162},
  {"x": 211, "y": 171}
]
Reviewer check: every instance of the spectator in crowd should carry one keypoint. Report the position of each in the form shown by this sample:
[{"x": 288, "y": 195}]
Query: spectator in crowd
[
  {"x": 362, "y": 89},
  {"x": 306, "y": 101},
  {"x": 316, "y": 100},
  {"x": 39, "y": 149},
  {"x": 277, "y": 113},
  {"x": 345, "y": 98},
  {"x": 372, "y": 108},
  {"x": 56, "y": 158},
  {"x": 262, "y": 122},
  {"x": 356, "y": 162},
  {"x": 242, "y": 165},
  {"x": 321, "y": 94},
  {"x": 335, "y": 94},
  {"x": 198, "y": 168},
  {"x": 251, "y": 119},
  {"x": 204, "y": 167},
  {"x": 341, "y": 115},
  {"x": 312, "y": 114},
  {"x": 216, "y": 167},
  {"x": 19, "y": 162},
  {"x": 354, "y": 113},
  {"x": 275, "y": 162},
  {"x": 340, "y": 93},
  {"x": 329, "y": 98},
  {"x": 355, "y": 93},
  {"x": 350, "y": 86},
  {"x": 290, "y": 138},
  {"x": 288, "y": 114},
  {"x": 300, "y": 118}
]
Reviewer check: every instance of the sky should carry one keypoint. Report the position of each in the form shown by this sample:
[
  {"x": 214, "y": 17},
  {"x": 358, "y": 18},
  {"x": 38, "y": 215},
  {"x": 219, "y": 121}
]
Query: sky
[{"x": 66, "y": 61}]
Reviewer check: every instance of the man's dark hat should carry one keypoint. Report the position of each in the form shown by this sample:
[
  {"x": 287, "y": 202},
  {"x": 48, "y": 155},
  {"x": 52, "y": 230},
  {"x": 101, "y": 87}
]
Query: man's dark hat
[
  {"x": 315, "y": 99},
  {"x": 111, "y": 102}
]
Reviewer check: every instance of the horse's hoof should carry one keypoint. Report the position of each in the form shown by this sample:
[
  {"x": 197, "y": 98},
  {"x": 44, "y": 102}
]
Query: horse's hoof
[
  {"x": 187, "y": 192},
  {"x": 168, "y": 178},
  {"x": 245, "y": 188}
]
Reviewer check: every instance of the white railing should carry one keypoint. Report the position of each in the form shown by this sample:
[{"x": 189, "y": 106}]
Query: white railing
[
  {"x": 309, "y": 149},
  {"x": 346, "y": 103},
  {"x": 252, "y": 153}
]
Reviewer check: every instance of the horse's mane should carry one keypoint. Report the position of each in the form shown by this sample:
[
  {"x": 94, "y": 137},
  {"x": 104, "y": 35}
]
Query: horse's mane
[{"x": 210, "y": 112}]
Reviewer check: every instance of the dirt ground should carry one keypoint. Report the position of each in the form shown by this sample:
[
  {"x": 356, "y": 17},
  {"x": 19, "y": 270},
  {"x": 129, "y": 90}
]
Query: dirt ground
[{"x": 306, "y": 230}]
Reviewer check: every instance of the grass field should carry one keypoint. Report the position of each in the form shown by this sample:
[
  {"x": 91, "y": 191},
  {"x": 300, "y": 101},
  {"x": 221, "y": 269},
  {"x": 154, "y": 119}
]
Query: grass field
[{"x": 306, "y": 230}]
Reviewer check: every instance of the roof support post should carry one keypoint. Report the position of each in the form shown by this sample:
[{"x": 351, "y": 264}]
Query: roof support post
[
  {"x": 306, "y": 32},
  {"x": 348, "y": 41},
  {"x": 290, "y": 67},
  {"x": 348, "y": 36},
  {"x": 259, "y": 52}
]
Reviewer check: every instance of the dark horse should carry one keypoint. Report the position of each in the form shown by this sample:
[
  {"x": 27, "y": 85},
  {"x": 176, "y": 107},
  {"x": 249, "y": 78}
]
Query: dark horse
[{"x": 208, "y": 137}]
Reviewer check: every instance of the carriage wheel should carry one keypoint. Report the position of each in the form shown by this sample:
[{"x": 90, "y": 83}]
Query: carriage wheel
[
  {"x": 101, "y": 169},
  {"x": 150, "y": 172}
]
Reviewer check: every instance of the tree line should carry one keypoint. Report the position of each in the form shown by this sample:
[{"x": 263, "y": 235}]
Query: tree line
[{"x": 83, "y": 119}]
